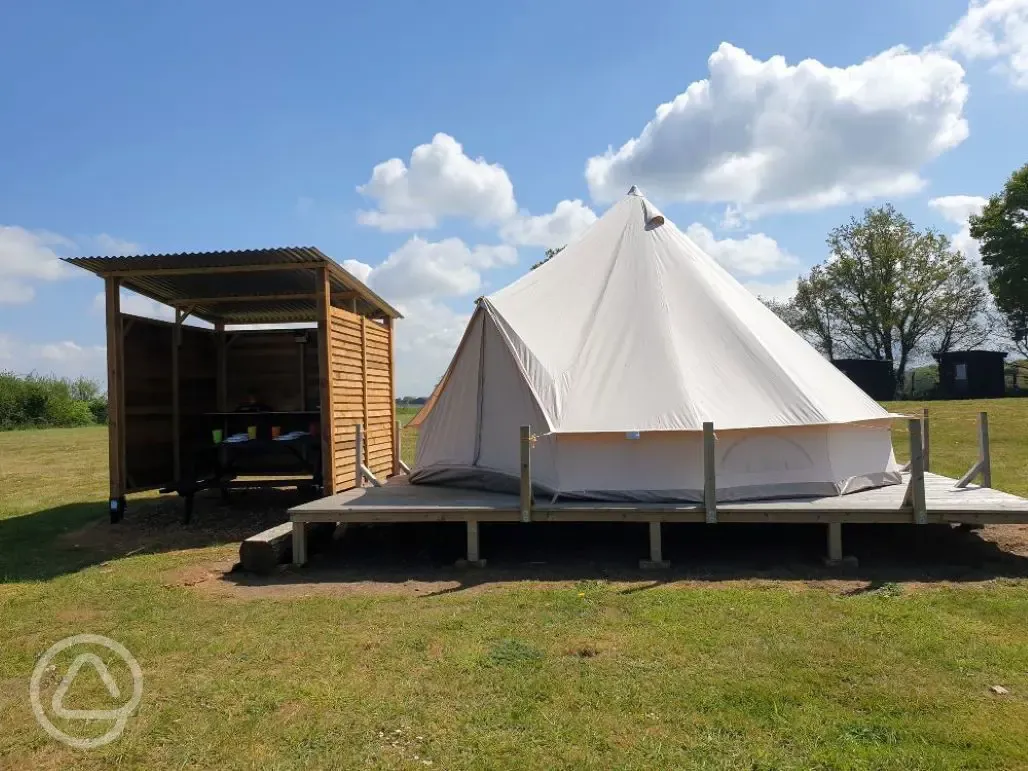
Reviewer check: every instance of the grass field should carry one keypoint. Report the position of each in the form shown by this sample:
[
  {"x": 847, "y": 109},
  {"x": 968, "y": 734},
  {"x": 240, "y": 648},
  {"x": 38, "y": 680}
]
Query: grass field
[{"x": 431, "y": 667}]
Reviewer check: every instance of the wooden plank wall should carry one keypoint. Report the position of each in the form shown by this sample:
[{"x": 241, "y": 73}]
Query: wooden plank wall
[
  {"x": 147, "y": 403},
  {"x": 269, "y": 362},
  {"x": 362, "y": 393}
]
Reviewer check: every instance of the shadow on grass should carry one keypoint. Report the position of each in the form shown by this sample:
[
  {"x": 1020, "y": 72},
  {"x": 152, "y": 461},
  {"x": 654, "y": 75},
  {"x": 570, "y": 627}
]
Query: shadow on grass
[
  {"x": 52, "y": 542},
  {"x": 426, "y": 552}
]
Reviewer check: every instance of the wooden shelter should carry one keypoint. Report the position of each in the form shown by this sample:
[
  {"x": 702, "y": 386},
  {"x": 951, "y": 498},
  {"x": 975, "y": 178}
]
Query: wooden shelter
[{"x": 173, "y": 386}]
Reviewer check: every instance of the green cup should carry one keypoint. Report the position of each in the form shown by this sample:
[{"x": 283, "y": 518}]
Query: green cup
[{"x": 216, "y": 434}]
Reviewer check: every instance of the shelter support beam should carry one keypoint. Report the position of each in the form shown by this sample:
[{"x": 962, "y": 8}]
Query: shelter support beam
[
  {"x": 115, "y": 397},
  {"x": 328, "y": 466},
  {"x": 915, "y": 494},
  {"x": 222, "y": 357},
  {"x": 983, "y": 465},
  {"x": 709, "y": 477},
  {"x": 656, "y": 560},
  {"x": 526, "y": 474},
  {"x": 394, "y": 423}
]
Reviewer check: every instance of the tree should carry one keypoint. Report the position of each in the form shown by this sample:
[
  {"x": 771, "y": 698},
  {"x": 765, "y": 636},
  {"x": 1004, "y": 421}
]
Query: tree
[
  {"x": 1002, "y": 231},
  {"x": 889, "y": 291},
  {"x": 550, "y": 254}
]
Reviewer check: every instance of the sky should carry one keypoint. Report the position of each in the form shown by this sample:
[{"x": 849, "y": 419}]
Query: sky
[{"x": 437, "y": 149}]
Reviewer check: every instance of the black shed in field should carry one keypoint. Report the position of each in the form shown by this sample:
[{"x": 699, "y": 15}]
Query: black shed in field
[{"x": 971, "y": 374}]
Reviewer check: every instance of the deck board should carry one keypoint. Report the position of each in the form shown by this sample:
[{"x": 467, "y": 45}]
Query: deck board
[{"x": 398, "y": 501}]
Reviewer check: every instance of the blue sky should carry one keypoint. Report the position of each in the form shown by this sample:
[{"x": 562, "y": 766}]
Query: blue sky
[{"x": 181, "y": 126}]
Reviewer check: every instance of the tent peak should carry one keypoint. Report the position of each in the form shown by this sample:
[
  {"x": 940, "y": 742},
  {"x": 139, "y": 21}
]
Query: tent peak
[{"x": 634, "y": 190}]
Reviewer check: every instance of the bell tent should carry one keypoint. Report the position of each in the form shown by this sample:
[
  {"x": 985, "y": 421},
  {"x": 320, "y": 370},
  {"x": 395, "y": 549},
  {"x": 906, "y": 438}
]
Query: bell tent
[{"x": 615, "y": 352}]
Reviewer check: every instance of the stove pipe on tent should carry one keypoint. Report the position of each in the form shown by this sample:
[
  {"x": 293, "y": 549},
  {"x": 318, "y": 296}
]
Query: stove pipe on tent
[{"x": 615, "y": 352}]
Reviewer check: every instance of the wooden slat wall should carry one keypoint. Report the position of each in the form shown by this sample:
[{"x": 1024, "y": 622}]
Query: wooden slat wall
[
  {"x": 361, "y": 375},
  {"x": 269, "y": 362}
]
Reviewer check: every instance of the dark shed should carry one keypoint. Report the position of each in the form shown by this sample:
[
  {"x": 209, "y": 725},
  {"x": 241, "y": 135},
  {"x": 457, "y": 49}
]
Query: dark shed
[
  {"x": 971, "y": 374},
  {"x": 874, "y": 378}
]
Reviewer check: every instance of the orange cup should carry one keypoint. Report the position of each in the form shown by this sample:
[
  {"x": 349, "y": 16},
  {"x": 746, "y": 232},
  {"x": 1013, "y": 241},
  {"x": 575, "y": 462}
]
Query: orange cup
[{"x": 275, "y": 431}]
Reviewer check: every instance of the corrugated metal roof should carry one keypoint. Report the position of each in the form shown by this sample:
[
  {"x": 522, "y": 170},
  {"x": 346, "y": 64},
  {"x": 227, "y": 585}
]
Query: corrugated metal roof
[{"x": 213, "y": 279}]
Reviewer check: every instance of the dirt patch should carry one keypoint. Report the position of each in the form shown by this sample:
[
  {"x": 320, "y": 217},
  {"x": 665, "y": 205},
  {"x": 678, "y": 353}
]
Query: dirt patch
[
  {"x": 154, "y": 525},
  {"x": 418, "y": 561}
]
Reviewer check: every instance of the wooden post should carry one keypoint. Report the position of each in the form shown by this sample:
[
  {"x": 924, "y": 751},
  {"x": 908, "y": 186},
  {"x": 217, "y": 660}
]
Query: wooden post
[
  {"x": 222, "y": 357},
  {"x": 115, "y": 398},
  {"x": 328, "y": 466},
  {"x": 364, "y": 382},
  {"x": 176, "y": 401},
  {"x": 926, "y": 439},
  {"x": 709, "y": 476},
  {"x": 397, "y": 468},
  {"x": 834, "y": 543},
  {"x": 915, "y": 495},
  {"x": 984, "y": 455},
  {"x": 526, "y": 473},
  {"x": 474, "y": 554},
  {"x": 358, "y": 455},
  {"x": 299, "y": 543},
  {"x": 302, "y": 348},
  {"x": 656, "y": 560}
]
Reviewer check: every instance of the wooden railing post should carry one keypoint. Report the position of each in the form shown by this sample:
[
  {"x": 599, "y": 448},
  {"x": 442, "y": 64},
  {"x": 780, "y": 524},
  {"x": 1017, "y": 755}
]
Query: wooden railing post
[
  {"x": 358, "y": 455},
  {"x": 526, "y": 473},
  {"x": 709, "y": 477},
  {"x": 915, "y": 495},
  {"x": 984, "y": 455},
  {"x": 926, "y": 440},
  {"x": 396, "y": 447}
]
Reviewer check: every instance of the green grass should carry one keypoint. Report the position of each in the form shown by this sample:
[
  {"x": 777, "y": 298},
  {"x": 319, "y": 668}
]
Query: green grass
[{"x": 593, "y": 674}]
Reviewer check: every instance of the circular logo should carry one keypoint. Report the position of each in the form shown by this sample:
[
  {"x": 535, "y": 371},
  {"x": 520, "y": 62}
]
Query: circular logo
[{"x": 119, "y": 716}]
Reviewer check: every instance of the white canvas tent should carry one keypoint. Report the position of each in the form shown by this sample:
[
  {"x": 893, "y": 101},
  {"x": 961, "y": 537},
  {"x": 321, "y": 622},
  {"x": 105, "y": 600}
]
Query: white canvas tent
[{"x": 615, "y": 352}]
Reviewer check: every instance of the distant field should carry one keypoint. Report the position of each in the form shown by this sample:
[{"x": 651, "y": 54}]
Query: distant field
[{"x": 600, "y": 667}]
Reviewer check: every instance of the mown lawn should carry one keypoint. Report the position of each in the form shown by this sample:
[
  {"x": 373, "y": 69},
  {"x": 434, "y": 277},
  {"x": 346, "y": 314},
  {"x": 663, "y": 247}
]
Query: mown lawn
[{"x": 587, "y": 673}]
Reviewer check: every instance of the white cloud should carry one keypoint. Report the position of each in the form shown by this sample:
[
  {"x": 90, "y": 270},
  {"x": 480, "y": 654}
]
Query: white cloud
[
  {"x": 447, "y": 268},
  {"x": 567, "y": 221},
  {"x": 359, "y": 270},
  {"x": 27, "y": 257},
  {"x": 136, "y": 305},
  {"x": 441, "y": 181},
  {"x": 777, "y": 290},
  {"x": 754, "y": 255},
  {"x": 111, "y": 246},
  {"x": 426, "y": 339},
  {"x": 957, "y": 209},
  {"x": 767, "y": 135},
  {"x": 63, "y": 359},
  {"x": 995, "y": 30}
]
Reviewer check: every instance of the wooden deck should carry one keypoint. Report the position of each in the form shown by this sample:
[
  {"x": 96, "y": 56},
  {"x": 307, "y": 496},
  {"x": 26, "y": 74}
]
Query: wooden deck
[{"x": 398, "y": 501}]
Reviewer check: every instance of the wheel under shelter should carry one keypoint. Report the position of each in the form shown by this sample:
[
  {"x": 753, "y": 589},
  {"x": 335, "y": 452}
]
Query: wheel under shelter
[{"x": 178, "y": 418}]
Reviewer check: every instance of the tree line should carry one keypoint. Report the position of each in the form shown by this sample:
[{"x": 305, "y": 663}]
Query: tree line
[
  {"x": 35, "y": 401},
  {"x": 891, "y": 292}
]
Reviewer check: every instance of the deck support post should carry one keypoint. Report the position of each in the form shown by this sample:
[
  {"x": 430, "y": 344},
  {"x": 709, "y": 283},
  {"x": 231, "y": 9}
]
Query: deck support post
[
  {"x": 709, "y": 478},
  {"x": 526, "y": 474},
  {"x": 358, "y": 454},
  {"x": 834, "y": 543},
  {"x": 983, "y": 465},
  {"x": 474, "y": 554},
  {"x": 656, "y": 560},
  {"x": 299, "y": 543},
  {"x": 915, "y": 494}
]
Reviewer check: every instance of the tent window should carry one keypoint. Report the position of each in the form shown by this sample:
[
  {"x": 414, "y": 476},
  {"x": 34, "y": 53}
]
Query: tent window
[{"x": 960, "y": 371}]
